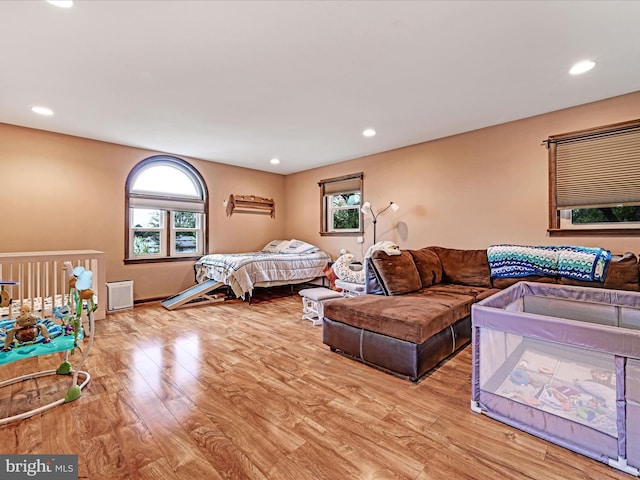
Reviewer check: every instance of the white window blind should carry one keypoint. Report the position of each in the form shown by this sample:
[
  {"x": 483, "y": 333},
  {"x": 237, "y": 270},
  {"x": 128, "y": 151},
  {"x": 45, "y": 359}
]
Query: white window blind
[
  {"x": 342, "y": 186},
  {"x": 600, "y": 170},
  {"x": 164, "y": 203}
]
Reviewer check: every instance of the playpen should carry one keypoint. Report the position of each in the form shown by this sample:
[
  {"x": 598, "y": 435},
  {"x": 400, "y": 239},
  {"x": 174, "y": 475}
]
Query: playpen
[{"x": 562, "y": 363}]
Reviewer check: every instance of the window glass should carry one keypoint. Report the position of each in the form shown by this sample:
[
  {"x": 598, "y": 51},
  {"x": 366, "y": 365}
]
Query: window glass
[
  {"x": 185, "y": 219},
  {"x": 187, "y": 237},
  {"x": 146, "y": 218},
  {"x": 146, "y": 243},
  {"x": 186, "y": 242},
  {"x": 588, "y": 216},
  {"x": 597, "y": 219},
  {"x": 345, "y": 212},
  {"x": 166, "y": 180}
]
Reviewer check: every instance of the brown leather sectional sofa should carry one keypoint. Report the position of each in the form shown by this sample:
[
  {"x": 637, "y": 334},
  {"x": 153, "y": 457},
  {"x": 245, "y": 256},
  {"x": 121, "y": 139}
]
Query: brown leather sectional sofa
[{"x": 417, "y": 310}]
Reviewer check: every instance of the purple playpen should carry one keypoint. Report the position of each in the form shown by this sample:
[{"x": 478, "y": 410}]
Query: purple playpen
[{"x": 562, "y": 363}]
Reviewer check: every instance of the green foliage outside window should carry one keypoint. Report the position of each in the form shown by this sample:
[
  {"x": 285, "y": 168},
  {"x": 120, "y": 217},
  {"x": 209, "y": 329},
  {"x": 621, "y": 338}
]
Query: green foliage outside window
[
  {"x": 346, "y": 199},
  {"x": 346, "y": 211},
  {"x": 581, "y": 216},
  {"x": 146, "y": 243},
  {"x": 346, "y": 219},
  {"x": 185, "y": 219}
]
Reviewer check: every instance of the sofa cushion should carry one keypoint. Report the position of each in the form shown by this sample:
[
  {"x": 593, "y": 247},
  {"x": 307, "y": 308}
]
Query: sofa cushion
[
  {"x": 478, "y": 293},
  {"x": 413, "y": 318},
  {"x": 499, "y": 282},
  {"x": 622, "y": 274},
  {"x": 466, "y": 267},
  {"x": 428, "y": 265},
  {"x": 398, "y": 272}
]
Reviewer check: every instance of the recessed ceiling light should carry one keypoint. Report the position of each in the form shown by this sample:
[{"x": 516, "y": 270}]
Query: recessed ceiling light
[
  {"x": 369, "y": 132},
  {"x": 61, "y": 3},
  {"x": 42, "y": 110},
  {"x": 581, "y": 67},
  {"x": 274, "y": 161}
]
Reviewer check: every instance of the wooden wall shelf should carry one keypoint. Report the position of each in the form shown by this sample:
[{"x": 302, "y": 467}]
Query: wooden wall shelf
[{"x": 250, "y": 204}]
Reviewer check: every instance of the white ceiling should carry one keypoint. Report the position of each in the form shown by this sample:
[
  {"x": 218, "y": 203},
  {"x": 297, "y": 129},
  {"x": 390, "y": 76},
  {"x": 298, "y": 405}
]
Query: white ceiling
[{"x": 242, "y": 82}]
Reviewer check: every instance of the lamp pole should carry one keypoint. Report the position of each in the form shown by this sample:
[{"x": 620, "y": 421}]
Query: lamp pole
[{"x": 366, "y": 208}]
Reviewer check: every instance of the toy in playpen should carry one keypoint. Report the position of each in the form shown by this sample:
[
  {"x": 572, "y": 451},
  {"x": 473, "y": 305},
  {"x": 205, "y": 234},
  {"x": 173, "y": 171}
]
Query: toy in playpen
[{"x": 30, "y": 336}]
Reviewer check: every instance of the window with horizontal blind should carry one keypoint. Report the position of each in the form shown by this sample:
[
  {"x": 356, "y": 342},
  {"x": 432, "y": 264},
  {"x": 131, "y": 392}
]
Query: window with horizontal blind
[
  {"x": 165, "y": 211},
  {"x": 340, "y": 202},
  {"x": 594, "y": 181}
]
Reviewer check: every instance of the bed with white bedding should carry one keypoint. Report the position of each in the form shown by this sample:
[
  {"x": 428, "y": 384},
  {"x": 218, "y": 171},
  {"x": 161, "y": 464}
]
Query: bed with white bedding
[{"x": 281, "y": 262}]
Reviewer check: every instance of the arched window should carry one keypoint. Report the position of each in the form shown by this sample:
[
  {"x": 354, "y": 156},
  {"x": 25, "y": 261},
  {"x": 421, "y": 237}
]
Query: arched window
[{"x": 166, "y": 211}]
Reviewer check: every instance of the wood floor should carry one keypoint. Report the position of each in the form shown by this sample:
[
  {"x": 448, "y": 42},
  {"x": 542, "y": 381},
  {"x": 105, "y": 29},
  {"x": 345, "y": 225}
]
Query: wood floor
[{"x": 240, "y": 391}]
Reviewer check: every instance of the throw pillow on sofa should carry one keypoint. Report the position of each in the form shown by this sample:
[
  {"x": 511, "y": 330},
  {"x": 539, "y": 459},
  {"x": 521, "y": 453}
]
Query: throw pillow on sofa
[
  {"x": 398, "y": 272},
  {"x": 428, "y": 265},
  {"x": 465, "y": 267}
]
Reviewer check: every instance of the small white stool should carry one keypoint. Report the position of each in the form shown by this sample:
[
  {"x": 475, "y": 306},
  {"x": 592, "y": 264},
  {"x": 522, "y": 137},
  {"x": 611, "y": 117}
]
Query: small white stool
[{"x": 312, "y": 299}]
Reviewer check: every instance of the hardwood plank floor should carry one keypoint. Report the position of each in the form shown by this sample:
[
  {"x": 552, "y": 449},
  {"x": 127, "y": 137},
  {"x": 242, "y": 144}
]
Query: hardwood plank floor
[{"x": 238, "y": 391}]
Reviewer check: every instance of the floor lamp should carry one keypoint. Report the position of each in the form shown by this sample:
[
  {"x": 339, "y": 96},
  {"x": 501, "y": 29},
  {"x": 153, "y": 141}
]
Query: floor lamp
[{"x": 366, "y": 208}]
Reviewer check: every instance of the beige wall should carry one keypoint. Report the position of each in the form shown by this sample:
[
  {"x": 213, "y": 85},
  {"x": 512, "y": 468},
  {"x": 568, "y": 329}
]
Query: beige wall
[
  {"x": 465, "y": 191},
  {"x": 60, "y": 192}
]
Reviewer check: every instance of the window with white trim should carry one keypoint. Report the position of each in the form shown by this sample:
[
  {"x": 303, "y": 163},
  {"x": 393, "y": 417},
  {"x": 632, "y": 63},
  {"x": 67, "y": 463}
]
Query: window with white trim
[
  {"x": 594, "y": 181},
  {"x": 166, "y": 211},
  {"x": 341, "y": 199}
]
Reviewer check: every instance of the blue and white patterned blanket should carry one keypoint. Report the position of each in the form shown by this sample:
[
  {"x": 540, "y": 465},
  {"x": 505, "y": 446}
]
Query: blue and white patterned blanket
[{"x": 580, "y": 263}]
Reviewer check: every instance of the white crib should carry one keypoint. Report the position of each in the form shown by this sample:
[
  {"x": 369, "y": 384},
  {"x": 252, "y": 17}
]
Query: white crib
[{"x": 42, "y": 283}]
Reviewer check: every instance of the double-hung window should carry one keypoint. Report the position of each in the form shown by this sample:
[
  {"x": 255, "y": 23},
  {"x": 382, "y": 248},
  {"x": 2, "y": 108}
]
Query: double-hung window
[
  {"x": 340, "y": 202},
  {"x": 166, "y": 211},
  {"x": 594, "y": 181}
]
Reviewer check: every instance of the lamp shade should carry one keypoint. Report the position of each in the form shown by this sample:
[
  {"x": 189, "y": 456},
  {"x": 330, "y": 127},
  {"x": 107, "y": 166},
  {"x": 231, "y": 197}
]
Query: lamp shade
[
  {"x": 366, "y": 207},
  {"x": 394, "y": 207}
]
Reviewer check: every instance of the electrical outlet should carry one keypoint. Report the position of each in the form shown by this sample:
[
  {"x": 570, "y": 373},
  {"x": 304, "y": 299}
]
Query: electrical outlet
[{"x": 360, "y": 239}]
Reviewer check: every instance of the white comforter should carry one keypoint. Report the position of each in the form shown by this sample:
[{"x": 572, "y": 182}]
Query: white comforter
[{"x": 244, "y": 271}]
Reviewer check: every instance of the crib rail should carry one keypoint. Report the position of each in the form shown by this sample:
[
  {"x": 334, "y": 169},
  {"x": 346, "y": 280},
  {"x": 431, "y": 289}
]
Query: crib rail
[{"x": 42, "y": 283}]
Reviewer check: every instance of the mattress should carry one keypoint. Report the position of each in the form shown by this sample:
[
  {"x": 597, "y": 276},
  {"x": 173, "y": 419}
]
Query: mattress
[{"x": 245, "y": 271}]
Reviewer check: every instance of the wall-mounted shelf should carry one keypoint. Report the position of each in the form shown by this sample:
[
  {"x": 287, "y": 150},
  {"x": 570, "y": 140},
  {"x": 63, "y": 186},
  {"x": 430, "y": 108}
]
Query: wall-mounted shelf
[{"x": 250, "y": 204}]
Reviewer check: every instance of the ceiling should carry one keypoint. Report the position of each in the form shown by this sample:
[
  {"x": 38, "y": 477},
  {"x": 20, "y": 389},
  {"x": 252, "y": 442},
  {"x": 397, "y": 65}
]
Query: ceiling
[{"x": 241, "y": 82}]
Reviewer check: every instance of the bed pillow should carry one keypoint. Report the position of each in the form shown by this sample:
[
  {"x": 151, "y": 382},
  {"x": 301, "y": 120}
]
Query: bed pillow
[
  {"x": 275, "y": 245},
  {"x": 298, "y": 246}
]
